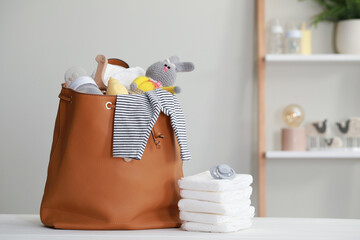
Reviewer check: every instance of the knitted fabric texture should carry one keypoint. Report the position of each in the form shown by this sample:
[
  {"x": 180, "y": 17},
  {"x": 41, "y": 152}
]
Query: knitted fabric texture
[{"x": 156, "y": 71}]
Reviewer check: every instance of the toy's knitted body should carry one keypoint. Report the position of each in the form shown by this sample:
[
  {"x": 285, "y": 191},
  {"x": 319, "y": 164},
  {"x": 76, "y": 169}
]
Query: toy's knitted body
[
  {"x": 145, "y": 84},
  {"x": 161, "y": 75}
]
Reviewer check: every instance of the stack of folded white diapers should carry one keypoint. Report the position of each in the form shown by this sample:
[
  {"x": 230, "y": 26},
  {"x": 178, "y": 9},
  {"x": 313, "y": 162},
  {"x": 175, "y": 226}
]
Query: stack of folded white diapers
[{"x": 216, "y": 205}]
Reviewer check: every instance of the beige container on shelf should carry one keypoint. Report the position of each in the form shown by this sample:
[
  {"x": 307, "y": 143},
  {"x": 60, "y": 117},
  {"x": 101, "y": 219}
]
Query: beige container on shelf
[
  {"x": 305, "y": 40},
  {"x": 293, "y": 139}
]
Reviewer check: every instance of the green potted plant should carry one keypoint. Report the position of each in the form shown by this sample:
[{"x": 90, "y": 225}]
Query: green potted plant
[{"x": 346, "y": 15}]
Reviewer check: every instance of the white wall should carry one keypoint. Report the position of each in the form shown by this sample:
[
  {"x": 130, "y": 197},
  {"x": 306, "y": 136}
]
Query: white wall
[{"x": 40, "y": 39}]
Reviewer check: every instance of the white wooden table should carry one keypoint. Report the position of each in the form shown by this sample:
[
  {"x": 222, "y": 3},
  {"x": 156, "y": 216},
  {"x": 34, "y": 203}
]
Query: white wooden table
[{"x": 29, "y": 227}]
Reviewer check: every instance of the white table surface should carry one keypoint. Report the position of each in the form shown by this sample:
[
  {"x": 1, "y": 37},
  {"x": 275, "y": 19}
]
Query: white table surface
[{"x": 14, "y": 226}]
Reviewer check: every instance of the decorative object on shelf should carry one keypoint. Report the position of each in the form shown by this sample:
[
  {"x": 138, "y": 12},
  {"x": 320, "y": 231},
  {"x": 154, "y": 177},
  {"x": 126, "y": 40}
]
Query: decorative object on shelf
[
  {"x": 316, "y": 133},
  {"x": 292, "y": 41},
  {"x": 348, "y": 36},
  {"x": 346, "y": 15},
  {"x": 305, "y": 40},
  {"x": 293, "y": 38},
  {"x": 293, "y": 115},
  {"x": 334, "y": 142},
  {"x": 276, "y": 37},
  {"x": 350, "y": 132},
  {"x": 293, "y": 138}
]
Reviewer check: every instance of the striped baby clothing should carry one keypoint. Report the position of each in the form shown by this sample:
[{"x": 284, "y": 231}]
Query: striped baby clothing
[{"x": 135, "y": 116}]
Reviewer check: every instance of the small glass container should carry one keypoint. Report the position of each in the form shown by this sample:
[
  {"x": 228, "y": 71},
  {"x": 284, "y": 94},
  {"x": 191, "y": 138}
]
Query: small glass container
[
  {"x": 293, "y": 40},
  {"x": 276, "y": 37}
]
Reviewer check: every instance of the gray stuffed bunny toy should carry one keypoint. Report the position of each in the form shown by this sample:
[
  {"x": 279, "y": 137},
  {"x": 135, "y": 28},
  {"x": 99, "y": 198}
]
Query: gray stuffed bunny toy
[{"x": 161, "y": 74}]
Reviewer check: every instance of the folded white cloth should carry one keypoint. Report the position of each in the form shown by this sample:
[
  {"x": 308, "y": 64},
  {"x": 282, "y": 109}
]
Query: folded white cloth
[
  {"x": 216, "y": 218},
  {"x": 220, "y": 197},
  {"x": 125, "y": 76},
  {"x": 230, "y": 209},
  {"x": 205, "y": 182},
  {"x": 226, "y": 227}
]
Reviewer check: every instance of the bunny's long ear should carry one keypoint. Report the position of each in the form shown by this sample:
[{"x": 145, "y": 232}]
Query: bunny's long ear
[
  {"x": 185, "y": 67},
  {"x": 174, "y": 59}
]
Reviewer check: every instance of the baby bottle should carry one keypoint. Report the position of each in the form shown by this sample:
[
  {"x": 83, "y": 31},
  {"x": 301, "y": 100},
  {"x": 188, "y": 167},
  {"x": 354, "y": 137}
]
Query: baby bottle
[
  {"x": 73, "y": 73},
  {"x": 276, "y": 38},
  {"x": 293, "y": 40},
  {"x": 77, "y": 79},
  {"x": 85, "y": 84}
]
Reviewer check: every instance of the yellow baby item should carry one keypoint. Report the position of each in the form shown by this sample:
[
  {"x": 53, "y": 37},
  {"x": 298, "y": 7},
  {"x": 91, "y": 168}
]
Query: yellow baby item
[
  {"x": 161, "y": 74},
  {"x": 115, "y": 88},
  {"x": 145, "y": 84}
]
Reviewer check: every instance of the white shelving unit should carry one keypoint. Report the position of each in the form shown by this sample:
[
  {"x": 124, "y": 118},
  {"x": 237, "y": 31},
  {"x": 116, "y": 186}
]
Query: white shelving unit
[
  {"x": 312, "y": 58},
  {"x": 288, "y": 58},
  {"x": 312, "y": 154},
  {"x": 264, "y": 60}
]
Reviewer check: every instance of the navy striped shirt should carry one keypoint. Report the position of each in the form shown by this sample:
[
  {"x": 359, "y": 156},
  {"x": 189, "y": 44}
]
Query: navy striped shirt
[{"x": 135, "y": 116}]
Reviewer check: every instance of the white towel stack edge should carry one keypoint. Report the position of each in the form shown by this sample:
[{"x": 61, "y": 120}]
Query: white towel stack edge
[{"x": 213, "y": 205}]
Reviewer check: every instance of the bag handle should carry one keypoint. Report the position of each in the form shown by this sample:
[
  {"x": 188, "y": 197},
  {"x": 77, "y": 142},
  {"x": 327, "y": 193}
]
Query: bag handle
[
  {"x": 65, "y": 98},
  {"x": 118, "y": 62}
]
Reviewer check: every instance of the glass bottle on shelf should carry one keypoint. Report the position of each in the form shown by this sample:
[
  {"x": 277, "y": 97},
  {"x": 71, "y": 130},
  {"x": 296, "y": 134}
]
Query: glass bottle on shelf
[
  {"x": 276, "y": 37},
  {"x": 293, "y": 37}
]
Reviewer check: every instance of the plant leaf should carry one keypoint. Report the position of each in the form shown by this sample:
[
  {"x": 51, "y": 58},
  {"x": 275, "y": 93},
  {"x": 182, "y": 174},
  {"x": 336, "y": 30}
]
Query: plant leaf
[{"x": 337, "y": 10}]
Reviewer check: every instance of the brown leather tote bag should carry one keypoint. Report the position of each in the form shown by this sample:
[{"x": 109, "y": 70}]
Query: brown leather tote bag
[{"x": 87, "y": 188}]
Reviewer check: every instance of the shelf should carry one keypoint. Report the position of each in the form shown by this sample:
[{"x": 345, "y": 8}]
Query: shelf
[
  {"x": 312, "y": 58},
  {"x": 312, "y": 154}
]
